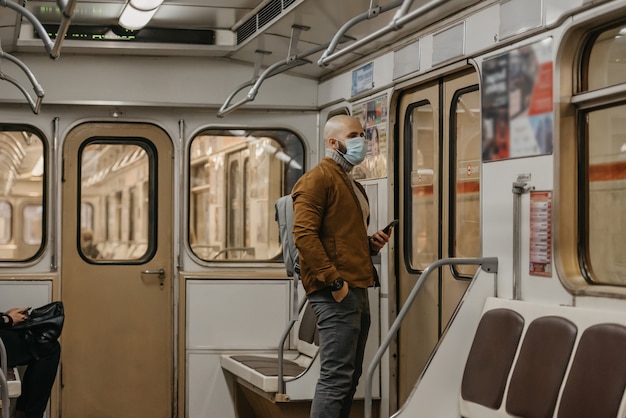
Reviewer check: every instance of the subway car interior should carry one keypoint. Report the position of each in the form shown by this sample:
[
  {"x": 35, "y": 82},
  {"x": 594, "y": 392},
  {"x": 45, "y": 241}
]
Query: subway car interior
[{"x": 144, "y": 145}]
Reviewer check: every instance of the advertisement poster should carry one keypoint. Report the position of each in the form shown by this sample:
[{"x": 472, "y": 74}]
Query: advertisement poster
[
  {"x": 373, "y": 116},
  {"x": 517, "y": 103},
  {"x": 540, "y": 234}
]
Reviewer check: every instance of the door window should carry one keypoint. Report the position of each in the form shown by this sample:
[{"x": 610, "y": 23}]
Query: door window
[
  {"x": 114, "y": 179},
  {"x": 420, "y": 138},
  {"x": 465, "y": 192}
]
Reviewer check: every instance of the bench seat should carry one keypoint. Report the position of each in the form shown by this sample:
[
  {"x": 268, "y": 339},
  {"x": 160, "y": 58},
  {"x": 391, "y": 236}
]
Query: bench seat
[
  {"x": 540, "y": 361},
  {"x": 260, "y": 371},
  {"x": 14, "y": 384}
]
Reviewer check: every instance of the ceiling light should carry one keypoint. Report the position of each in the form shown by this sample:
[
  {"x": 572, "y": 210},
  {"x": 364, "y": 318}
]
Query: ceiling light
[
  {"x": 138, "y": 13},
  {"x": 133, "y": 19},
  {"x": 146, "y": 5}
]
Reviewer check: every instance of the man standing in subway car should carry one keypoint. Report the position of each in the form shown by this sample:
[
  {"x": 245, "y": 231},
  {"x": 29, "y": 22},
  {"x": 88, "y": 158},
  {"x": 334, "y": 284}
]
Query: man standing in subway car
[{"x": 331, "y": 213}]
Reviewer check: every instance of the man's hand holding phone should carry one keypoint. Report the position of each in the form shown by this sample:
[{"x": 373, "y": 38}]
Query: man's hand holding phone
[
  {"x": 390, "y": 225},
  {"x": 380, "y": 238}
]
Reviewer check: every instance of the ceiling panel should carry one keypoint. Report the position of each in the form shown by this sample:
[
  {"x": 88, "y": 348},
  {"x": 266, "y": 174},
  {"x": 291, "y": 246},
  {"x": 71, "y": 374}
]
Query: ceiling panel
[{"x": 323, "y": 17}]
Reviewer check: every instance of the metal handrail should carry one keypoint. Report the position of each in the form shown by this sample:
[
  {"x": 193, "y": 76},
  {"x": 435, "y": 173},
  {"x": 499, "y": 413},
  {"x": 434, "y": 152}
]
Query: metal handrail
[
  {"x": 488, "y": 264},
  {"x": 53, "y": 48},
  {"x": 35, "y": 105},
  {"x": 372, "y": 12},
  {"x": 399, "y": 20},
  {"x": 519, "y": 188},
  {"x": 274, "y": 69},
  {"x": 281, "y": 350},
  {"x": 279, "y": 67},
  {"x": 4, "y": 387},
  {"x": 67, "y": 9}
]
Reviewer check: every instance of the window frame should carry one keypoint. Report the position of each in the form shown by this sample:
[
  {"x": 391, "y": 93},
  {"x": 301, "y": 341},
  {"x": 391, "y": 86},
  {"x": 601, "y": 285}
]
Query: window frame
[
  {"x": 289, "y": 140},
  {"x": 17, "y": 238},
  {"x": 151, "y": 154},
  {"x": 570, "y": 254}
]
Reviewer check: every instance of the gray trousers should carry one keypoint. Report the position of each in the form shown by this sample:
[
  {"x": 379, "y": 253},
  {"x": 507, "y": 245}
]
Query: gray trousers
[{"x": 343, "y": 328}]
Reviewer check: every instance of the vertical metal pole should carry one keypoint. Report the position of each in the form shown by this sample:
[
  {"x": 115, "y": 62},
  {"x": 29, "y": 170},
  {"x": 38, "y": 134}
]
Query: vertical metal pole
[
  {"x": 55, "y": 192},
  {"x": 519, "y": 188},
  {"x": 4, "y": 389}
]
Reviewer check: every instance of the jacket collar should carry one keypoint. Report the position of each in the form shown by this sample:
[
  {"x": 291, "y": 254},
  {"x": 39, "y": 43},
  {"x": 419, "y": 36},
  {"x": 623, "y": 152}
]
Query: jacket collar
[{"x": 348, "y": 181}]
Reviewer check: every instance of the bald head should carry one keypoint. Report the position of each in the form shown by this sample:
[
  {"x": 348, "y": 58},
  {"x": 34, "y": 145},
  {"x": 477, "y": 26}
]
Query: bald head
[{"x": 341, "y": 127}]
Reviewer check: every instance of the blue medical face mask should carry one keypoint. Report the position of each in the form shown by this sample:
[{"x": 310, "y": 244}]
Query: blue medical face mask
[{"x": 355, "y": 150}]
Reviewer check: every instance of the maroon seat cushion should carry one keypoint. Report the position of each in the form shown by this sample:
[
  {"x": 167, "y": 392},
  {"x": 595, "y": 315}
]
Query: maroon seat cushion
[
  {"x": 540, "y": 367},
  {"x": 597, "y": 377},
  {"x": 490, "y": 357}
]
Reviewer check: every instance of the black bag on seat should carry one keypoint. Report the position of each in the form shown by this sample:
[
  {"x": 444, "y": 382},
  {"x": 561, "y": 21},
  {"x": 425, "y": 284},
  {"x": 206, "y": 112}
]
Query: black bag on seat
[{"x": 43, "y": 327}]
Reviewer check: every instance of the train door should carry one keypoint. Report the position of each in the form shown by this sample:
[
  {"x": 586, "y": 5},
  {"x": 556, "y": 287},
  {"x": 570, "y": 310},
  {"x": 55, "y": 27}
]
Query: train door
[
  {"x": 439, "y": 127},
  {"x": 117, "y": 270}
]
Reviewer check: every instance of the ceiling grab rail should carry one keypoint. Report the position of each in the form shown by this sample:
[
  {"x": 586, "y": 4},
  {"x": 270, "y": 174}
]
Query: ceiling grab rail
[
  {"x": 292, "y": 61},
  {"x": 399, "y": 20},
  {"x": 226, "y": 107},
  {"x": 67, "y": 10},
  {"x": 35, "y": 105},
  {"x": 488, "y": 264},
  {"x": 373, "y": 11}
]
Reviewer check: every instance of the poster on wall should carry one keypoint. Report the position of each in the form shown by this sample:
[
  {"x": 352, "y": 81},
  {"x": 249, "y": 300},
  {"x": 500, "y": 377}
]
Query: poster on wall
[
  {"x": 540, "y": 256},
  {"x": 373, "y": 116},
  {"x": 363, "y": 79},
  {"x": 517, "y": 103}
]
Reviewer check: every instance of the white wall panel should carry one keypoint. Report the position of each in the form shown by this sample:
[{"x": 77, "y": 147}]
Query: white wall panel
[
  {"x": 555, "y": 8},
  {"x": 449, "y": 43},
  {"x": 497, "y": 226},
  {"x": 236, "y": 314},
  {"x": 426, "y": 52},
  {"x": 406, "y": 60},
  {"x": 481, "y": 29},
  {"x": 208, "y": 393},
  {"x": 17, "y": 294},
  {"x": 517, "y": 16}
]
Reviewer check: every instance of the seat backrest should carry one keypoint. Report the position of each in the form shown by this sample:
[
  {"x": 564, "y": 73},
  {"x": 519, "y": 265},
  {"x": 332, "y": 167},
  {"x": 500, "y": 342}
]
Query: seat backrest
[
  {"x": 597, "y": 378},
  {"x": 491, "y": 356},
  {"x": 308, "y": 334},
  {"x": 540, "y": 367}
]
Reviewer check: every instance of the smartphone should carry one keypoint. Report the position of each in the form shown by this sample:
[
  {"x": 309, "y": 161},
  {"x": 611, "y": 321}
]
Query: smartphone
[
  {"x": 27, "y": 310},
  {"x": 390, "y": 225}
]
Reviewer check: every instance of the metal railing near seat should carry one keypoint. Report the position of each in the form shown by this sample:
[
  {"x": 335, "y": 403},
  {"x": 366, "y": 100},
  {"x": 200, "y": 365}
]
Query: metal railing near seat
[
  {"x": 4, "y": 386},
  {"x": 488, "y": 264}
]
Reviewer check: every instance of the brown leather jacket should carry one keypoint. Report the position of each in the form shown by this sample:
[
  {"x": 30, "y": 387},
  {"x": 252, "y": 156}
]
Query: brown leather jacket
[{"x": 328, "y": 229}]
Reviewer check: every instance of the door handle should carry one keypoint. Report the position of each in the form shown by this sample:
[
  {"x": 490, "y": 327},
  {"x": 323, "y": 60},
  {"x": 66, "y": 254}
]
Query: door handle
[{"x": 160, "y": 272}]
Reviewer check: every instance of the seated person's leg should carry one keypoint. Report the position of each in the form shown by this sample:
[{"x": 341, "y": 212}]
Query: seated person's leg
[
  {"x": 40, "y": 373},
  {"x": 18, "y": 353},
  {"x": 38, "y": 381}
]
